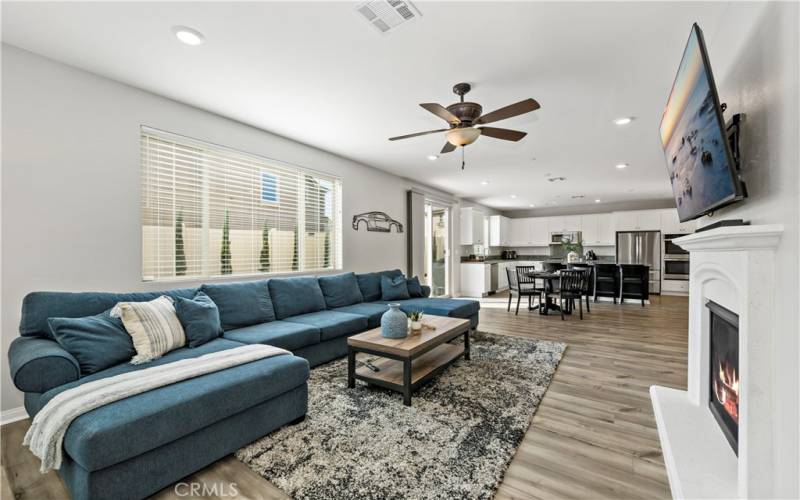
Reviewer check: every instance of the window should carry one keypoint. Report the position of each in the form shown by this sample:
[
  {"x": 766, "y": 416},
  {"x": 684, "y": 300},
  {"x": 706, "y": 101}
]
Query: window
[{"x": 209, "y": 211}]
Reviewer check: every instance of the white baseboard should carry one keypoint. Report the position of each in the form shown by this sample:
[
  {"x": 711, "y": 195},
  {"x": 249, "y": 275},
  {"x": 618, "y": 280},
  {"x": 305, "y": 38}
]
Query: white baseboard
[{"x": 13, "y": 415}]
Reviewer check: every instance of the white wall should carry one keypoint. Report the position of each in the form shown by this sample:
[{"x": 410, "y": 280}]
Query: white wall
[
  {"x": 71, "y": 172},
  {"x": 755, "y": 60}
]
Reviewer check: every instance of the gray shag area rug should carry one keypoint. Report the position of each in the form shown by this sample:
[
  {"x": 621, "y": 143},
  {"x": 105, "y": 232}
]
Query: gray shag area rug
[{"x": 455, "y": 441}]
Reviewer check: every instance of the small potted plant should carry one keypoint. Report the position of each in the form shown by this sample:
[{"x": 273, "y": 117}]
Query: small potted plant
[{"x": 416, "y": 321}]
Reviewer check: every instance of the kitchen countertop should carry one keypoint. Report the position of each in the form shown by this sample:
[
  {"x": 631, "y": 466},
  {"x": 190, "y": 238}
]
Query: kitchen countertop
[{"x": 490, "y": 260}]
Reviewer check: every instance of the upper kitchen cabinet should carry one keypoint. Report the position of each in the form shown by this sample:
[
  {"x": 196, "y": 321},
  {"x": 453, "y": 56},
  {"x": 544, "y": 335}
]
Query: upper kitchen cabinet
[
  {"x": 564, "y": 223},
  {"x": 648, "y": 220},
  {"x": 539, "y": 231},
  {"x": 499, "y": 231},
  {"x": 520, "y": 232},
  {"x": 597, "y": 230},
  {"x": 472, "y": 222},
  {"x": 670, "y": 224}
]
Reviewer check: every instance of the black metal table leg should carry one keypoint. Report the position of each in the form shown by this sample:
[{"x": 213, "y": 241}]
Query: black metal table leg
[
  {"x": 407, "y": 382},
  {"x": 466, "y": 345},
  {"x": 351, "y": 367}
]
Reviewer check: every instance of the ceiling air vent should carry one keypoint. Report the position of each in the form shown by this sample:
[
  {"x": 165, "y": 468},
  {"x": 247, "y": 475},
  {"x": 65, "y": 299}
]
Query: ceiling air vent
[{"x": 388, "y": 14}]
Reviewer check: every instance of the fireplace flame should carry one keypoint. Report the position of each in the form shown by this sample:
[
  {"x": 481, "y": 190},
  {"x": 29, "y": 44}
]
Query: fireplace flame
[{"x": 726, "y": 389}]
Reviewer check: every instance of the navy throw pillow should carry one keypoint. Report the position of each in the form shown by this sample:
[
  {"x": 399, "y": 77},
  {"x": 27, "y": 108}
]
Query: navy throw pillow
[
  {"x": 199, "y": 318},
  {"x": 394, "y": 288},
  {"x": 97, "y": 342},
  {"x": 414, "y": 287}
]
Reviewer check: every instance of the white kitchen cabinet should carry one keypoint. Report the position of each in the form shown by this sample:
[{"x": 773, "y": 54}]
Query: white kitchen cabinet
[
  {"x": 502, "y": 276},
  {"x": 475, "y": 279},
  {"x": 626, "y": 221},
  {"x": 671, "y": 224},
  {"x": 472, "y": 222},
  {"x": 572, "y": 223},
  {"x": 539, "y": 232},
  {"x": 648, "y": 220},
  {"x": 606, "y": 235},
  {"x": 589, "y": 230},
  {"x": 520, "y": 232},
  {"x": 555, "y": 224},
  {"x": 499, "y": 229}
]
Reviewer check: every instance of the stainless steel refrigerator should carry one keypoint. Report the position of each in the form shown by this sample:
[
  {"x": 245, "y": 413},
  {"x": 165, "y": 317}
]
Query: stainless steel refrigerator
[{"x": 642, "y": 247}]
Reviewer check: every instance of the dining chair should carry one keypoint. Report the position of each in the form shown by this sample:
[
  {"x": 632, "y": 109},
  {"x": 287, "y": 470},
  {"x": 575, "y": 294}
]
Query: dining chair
[
  {"x": 571, "y": 288},
  {"x": 525, "y": 286},
  {"x": 588, "y": 272}
]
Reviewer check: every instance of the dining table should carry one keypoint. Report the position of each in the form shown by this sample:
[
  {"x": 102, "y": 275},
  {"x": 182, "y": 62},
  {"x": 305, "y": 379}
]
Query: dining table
[{"x": 549, "y": 278}]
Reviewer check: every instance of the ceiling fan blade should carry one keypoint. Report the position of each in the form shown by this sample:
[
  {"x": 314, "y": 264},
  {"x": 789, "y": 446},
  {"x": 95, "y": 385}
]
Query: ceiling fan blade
[
  {"x": 441, "y": 112},
  {"x": 509, "y": 111},
  {"x": 417, "y": 134},
  {"x": 502, "y": 133},
  {"x": 448, "y": 148}
]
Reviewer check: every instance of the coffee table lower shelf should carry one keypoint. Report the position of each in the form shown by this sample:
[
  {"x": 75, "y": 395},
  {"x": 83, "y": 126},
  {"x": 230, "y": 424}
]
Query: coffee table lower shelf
[{"x": 423, "y": 368}]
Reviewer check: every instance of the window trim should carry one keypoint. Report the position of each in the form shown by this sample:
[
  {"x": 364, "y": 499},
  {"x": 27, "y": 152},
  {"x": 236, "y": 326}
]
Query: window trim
[{"x": 337, "y": 235}]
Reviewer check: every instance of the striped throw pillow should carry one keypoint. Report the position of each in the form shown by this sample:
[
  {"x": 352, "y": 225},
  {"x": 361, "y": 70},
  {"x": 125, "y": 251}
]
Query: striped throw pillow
[{"x": 153, "y": 326}]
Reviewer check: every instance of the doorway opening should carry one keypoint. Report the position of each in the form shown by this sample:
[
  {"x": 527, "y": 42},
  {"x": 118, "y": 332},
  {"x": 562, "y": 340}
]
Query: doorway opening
[{"x": 437, "y": 249}]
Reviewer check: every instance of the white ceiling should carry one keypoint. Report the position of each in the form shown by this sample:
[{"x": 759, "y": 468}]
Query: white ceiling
[{"x": 319, "y": 74}]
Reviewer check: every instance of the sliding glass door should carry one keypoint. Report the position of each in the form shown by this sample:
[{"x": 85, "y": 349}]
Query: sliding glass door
[{"x": 437, "y": 249}]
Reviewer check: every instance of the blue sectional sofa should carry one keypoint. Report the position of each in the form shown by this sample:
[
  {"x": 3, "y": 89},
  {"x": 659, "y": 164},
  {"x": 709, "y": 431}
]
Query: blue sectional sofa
[{"x": 134, "y": 447}]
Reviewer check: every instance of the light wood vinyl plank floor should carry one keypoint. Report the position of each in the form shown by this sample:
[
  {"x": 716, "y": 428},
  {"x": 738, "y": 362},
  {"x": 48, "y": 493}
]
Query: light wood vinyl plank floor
[{"x": 594, "y": 435}]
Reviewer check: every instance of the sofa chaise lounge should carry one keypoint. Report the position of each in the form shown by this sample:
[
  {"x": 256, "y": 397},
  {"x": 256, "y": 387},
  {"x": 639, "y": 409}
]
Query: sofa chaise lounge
[{"x": 134, "y": 447}]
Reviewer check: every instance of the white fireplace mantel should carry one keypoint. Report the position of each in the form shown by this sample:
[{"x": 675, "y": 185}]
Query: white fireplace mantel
[{"x": 734, "y": 267}]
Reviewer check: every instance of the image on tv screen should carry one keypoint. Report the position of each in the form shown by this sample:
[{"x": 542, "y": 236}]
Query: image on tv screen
[{"x": 693, "y": 140}]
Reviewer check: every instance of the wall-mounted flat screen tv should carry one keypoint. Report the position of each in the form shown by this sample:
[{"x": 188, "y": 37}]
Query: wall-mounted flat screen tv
[{"x": 701, "y": 169}]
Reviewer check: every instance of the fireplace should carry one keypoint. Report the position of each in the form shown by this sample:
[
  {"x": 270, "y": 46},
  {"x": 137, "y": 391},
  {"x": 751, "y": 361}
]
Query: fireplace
[{"x": 723, "y": 394}]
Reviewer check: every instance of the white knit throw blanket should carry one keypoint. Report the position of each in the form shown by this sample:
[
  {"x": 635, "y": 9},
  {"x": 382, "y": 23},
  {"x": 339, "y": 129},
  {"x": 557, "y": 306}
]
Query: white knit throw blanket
[{"x": 46, "y": 434}]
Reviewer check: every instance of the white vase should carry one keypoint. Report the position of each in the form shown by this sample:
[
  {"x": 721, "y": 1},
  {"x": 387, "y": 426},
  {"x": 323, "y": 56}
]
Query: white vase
[
  {"x": 573, "y": 257},
  {"x": 416, "y": 326}
]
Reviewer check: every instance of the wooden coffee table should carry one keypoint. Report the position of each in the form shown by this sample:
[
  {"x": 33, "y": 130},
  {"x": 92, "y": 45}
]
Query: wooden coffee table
[{"x": 408, "y": 363}]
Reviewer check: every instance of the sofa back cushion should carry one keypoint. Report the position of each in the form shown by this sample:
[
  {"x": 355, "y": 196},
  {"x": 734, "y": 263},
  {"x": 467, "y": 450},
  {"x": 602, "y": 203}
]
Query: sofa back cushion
[
  {"x": 294, "y": 296},
  {"x": 241, "y": 304},
  {"x": 370, "y": 283},
  {"x": 340, "y": 290},
  {"x": 97, "y": 342},
  {"x": 414, "y": 287},
  {"x": 37, "y": 307}
]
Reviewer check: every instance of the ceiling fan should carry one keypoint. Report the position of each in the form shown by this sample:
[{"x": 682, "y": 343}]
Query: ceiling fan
[{"x": 464, "y": 117}]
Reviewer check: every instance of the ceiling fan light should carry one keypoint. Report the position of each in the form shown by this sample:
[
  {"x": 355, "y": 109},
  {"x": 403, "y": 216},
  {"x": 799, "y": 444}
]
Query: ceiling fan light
[{"x": 462, "y": 136}]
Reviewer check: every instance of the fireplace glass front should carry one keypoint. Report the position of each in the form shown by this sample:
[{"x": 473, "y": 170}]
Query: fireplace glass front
[{"x": 724, "y": 371}]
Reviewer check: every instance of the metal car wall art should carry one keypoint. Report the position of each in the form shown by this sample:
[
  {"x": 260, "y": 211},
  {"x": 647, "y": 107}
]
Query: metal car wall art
[{"x": 376, "y": 221}]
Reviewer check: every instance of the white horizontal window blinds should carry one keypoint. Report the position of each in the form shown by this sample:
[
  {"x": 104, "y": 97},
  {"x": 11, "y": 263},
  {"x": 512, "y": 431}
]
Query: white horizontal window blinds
[{"x": 208, "y": 211}]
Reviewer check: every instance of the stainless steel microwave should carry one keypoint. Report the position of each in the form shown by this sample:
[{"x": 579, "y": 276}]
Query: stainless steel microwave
[{"x": 570, "y": 236}]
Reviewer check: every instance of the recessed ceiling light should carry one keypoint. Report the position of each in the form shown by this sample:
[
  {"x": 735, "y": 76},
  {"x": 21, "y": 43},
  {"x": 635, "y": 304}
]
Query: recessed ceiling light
[
  {"x": 513, "y": 196},
  {"x": 484, "y": 183},
  {"x": 597, "y": 201},
  {"x": 623, "y": 120},
  {"x": 531, "y": 205},
  {"x": 621, "y": 165},
  {"x": 189, "y": 36},
  {"x": 433, "y": 157}
]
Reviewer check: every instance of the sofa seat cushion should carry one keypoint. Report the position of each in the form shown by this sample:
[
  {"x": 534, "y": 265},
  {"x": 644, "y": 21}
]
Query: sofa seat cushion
[
  {"x": 371, "y": 310},
  {"x": 241, "y": 304},
  {"x": 283, "y": 334},
  {"x": 127, "y": 428},
  {"x": 332, "y": 324},
  {"x": 456, "y": 308}
]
